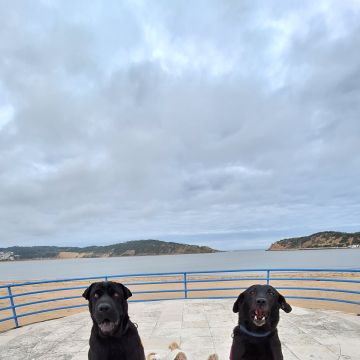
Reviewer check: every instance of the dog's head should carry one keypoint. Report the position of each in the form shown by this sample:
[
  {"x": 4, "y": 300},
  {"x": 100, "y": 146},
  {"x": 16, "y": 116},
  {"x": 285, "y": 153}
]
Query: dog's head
[
  {"x": 258, "y": 306},
  {"x": 107, "y": 305}
]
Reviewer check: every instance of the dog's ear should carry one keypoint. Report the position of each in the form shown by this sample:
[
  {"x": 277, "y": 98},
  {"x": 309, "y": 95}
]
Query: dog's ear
[
  {"x": 86, "y": 293},
  {"x": 283, "y": 304},
  {"x": 238, "y": 302},
  {"x": 126, "y": 291}
]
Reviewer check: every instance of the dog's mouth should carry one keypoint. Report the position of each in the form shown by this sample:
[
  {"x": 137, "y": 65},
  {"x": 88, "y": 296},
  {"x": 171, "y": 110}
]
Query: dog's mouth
[
  {"x": 259, "y": 317},
  {"x": 107, "y": 327}
]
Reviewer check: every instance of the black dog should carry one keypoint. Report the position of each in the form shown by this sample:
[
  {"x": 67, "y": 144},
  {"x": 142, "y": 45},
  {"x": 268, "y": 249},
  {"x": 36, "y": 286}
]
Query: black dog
[
  {"x": 256, "y": 337},
  {"x": 113, "y": 335}
]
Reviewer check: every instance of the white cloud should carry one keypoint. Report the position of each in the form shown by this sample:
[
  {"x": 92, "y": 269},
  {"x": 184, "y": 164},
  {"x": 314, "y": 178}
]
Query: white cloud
[
  {"x": 6, "y": 115},
  {"x": 215, "y": 123}
]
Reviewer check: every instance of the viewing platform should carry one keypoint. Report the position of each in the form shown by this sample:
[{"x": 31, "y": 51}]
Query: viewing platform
[{"x": 200, "y": 327}]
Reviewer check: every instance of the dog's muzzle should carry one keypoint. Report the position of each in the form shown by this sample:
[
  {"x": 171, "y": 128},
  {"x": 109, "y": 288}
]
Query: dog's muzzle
[
  {"x": 106, "y": 318},
  {"x": 259, "y": 317}
]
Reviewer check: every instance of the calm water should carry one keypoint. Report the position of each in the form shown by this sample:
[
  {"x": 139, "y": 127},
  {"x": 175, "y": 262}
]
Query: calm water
[{"x": 50, "y": 269}]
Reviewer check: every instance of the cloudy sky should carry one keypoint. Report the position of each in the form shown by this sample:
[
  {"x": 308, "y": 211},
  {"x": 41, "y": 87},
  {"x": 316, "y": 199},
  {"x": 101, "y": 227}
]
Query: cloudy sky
[{"x": 224, "y": 123}]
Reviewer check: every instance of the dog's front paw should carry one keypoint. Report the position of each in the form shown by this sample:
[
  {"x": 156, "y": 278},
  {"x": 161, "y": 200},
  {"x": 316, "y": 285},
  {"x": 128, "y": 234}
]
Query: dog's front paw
[{"x": 213, "y": 357}]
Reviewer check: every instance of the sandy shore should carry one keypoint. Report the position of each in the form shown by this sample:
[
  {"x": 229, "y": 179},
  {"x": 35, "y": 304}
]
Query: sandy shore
[{"x": 58, "y": 292}]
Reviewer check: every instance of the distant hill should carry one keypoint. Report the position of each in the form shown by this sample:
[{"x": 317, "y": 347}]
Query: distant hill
[
  {"x": 130, "y": 248},
  {"x": 325, "y": 239}
]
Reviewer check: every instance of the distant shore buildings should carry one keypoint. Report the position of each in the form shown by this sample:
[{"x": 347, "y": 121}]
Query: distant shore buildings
[{"x": 7, "y": 256}]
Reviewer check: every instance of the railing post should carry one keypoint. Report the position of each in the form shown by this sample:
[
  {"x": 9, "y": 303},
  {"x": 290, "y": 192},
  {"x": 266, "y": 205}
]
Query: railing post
[
  {"x": 185, "y": 285},
  {"x": 106, "y": 278},
  {"x": 13, "y": 306},
  {"x": 267, "y": 277}
]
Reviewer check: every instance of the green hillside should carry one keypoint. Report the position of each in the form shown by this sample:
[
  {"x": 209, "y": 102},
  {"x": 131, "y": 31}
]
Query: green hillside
[
  {"x": 325, "y": 239},
  {"x": 129, "y": 248}
]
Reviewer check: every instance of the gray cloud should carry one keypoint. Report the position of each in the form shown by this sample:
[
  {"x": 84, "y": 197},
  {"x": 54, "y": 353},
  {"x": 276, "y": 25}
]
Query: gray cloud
[{"x": 222, "y": 124}]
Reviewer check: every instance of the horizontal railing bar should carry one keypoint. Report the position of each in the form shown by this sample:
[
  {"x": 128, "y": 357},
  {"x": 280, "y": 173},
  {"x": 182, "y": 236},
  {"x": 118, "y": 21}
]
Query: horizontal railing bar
[
  {"x": 51, "y": 281},
  {"x": 6, "y": 308},
  {"x": 75, "y": 297},
  {"x": 188, "y": 281},
  {"x": 279, "y": 288},
  {"x": 7, "y": 319},
  {"x": 274, "y": 270},
  {"x": 169, "y": 274},
  {"x": 49, "y": 290},
  {"x": 272, "y": 279},
  {"x": 90, "y": 278},
  {"x": 52, "y": 309},
  {"x": 154, "y": 282},
  {"x": 48, "y": 300},
  {"x": 212, "y": 297},
  {"x": 157, "y": 291},
  {"x": 160, "y": 299},
  {"x": 324, "y": 299},
  {"x": 181, "y": 273},
  {"x": 317, "y": 279},
  {"x": 289, "y": 297},
  {"x": 4, "y": 297},
  {"x": 214, "y": 289},
  {"x": 227, "y": 279},
  {"x": 318, "y": 289},
  {"x": 84, "y": 287}
]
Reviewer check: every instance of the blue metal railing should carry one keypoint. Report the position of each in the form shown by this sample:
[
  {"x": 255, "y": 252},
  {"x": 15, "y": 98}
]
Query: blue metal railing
[{"x": 186, "y": 281}]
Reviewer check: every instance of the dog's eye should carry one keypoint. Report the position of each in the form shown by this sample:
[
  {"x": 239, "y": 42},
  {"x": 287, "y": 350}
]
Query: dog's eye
[
  {"x": 116, "y": 295},
  {"x": 252, "y": 292},
  {"x": 96, "y": 295},
  {"x": 271, "y": 293}
]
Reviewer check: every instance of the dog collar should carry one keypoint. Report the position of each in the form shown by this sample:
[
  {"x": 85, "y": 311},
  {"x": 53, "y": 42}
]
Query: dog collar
[{"x": 250, "y": 333}]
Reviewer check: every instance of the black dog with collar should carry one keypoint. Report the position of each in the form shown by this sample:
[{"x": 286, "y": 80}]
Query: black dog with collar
[
  {"x": 113, "y": 335},
  {"x": 256, "y": 336}
]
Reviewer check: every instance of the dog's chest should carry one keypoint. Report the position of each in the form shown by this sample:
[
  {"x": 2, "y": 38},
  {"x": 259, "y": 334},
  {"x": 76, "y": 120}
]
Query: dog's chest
[
  {"x": 109, "y": 350},
  {"x": 117, "y": 352},
  {"x": 258, "y": 352},
  {"x": 254, "y": 351}
]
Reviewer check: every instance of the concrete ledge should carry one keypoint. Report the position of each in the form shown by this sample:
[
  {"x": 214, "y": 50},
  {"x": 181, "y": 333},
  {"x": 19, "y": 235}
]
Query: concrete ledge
[{"x": 200, "y": 327}]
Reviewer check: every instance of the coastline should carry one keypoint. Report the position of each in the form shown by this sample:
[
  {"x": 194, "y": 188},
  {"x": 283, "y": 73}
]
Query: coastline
[
  {"x": 78, "y": 255},
  {"x": 315, "y": 248},
  {"x": 107, "y": 257}
]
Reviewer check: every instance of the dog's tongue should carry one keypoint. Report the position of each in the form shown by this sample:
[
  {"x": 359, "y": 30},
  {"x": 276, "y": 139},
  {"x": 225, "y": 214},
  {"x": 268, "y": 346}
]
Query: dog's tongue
[
  {"x": 259, "y": 313},
  {"x": 107, "y": 326}
]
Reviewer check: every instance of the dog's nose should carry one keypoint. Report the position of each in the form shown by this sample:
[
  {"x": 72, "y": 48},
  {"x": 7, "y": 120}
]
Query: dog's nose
[
  {"x": 261, "y": 301},
  {"x": 104, "y": 307}
]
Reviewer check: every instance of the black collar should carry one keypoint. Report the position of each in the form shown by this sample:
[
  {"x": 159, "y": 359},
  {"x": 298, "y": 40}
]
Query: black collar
[{"x": 250, "y": 333}]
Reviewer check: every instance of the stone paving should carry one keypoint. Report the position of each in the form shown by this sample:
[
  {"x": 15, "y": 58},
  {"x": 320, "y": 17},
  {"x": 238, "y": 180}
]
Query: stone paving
[{"x": 200, "y": 327}]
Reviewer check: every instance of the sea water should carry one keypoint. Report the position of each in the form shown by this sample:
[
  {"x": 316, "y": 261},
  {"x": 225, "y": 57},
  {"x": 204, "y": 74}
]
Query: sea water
[{"x": 244, "y": 259}]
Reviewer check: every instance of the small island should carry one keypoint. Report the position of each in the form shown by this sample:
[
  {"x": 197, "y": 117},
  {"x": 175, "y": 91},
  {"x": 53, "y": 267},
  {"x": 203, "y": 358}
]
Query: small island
[
  {"x": 129, "y": 248},
  {"x": 320, "y": 240}
]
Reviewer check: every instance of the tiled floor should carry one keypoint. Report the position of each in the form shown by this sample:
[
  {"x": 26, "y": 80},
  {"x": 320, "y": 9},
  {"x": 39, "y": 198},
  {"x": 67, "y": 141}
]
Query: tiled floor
[{"x": 200, "y": 327}]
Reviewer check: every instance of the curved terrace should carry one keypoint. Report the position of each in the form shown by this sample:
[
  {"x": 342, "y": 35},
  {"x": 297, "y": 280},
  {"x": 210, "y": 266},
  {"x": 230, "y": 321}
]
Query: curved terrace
[
  {"x": 200, "y": 327},
  {"x": 199, "y": 317}
]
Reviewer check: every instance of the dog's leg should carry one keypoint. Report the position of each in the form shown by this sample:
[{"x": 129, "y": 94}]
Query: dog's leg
[{"x": 275, "y": 346}]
